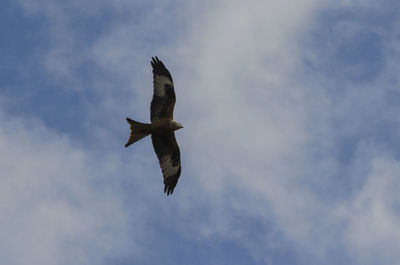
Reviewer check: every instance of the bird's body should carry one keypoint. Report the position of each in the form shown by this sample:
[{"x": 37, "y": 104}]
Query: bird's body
[{"x": 162, "y": 126}]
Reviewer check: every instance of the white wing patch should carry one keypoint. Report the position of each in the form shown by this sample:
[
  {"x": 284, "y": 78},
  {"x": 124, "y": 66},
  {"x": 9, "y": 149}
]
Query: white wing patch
[
  {"x": 159, "y": 84},
  {"x": 166, "y": 166}
]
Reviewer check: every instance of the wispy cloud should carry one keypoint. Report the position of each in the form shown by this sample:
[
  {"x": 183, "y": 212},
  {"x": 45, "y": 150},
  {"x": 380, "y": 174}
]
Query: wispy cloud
[{"x": 56, "y": 208}]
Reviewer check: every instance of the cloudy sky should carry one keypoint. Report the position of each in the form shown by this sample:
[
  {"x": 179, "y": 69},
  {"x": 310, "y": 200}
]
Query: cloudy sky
[{"x": 291, "y": 145}]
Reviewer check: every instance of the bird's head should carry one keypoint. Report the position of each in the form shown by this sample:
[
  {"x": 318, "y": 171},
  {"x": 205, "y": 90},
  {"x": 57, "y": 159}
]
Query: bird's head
[{"x": 176, "y": 125}]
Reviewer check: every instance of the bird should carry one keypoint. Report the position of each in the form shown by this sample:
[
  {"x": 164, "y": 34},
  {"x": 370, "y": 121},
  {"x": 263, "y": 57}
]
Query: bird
[{"x": 162, "y": 127}]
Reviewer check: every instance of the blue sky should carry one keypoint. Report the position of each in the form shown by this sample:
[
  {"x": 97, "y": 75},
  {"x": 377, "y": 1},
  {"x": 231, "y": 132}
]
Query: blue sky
[{"x": 290, "y": 150}]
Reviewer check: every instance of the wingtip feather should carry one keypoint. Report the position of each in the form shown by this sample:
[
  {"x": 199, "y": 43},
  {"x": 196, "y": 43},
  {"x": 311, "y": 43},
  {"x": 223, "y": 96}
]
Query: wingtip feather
[{"x": 168, "y": 189}]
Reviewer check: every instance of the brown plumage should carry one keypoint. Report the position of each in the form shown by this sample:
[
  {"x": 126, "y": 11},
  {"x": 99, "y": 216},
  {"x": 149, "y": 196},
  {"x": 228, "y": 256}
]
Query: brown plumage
[{"x": 162, "y": 126}]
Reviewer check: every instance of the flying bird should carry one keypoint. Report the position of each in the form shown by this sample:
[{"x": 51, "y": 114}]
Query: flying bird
[{"x": 162, "y": 127}]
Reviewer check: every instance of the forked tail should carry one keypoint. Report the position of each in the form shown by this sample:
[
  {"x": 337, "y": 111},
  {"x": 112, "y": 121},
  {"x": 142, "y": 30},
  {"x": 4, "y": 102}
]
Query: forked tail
[{"x": 138, "y": 131}]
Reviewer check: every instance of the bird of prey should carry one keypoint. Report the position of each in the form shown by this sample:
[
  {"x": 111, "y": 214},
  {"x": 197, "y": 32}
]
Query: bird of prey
[{"x": 162, "y": 126}]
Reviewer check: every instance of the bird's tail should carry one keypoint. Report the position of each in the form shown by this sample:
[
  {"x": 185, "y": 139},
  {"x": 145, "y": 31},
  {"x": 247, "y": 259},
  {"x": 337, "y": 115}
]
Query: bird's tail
[{"x": 138, "y": 131}]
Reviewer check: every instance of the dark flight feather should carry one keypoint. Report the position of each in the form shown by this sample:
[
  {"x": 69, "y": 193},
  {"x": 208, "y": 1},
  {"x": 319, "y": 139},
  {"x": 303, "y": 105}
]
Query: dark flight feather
[
  {"x": 163, "y": 102},
  {"x": 159, "y": 68},
  {"x": 169, "y": 157}
]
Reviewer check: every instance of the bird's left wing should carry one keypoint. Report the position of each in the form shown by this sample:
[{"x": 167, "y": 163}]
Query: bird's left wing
[
  {"x": 163, "y": 102},
  {"x": 169, "y": 156}
]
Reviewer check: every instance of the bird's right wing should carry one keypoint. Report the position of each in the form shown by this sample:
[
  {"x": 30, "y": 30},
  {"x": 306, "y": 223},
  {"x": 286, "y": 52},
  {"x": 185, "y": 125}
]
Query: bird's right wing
[
  {"x": 162, "y": 105},
  {"x": 169, "y": 156}
]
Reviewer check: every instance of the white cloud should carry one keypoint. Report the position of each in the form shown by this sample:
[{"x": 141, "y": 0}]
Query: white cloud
[
  {"x": 253, "y": 126},
  {"x": 56, "y": 208},
  {"x": 373, "y": 215}
]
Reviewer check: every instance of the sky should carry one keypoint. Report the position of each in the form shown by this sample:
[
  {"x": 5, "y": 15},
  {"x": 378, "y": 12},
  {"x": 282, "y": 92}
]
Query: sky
[{"x": 290, "y": 151}]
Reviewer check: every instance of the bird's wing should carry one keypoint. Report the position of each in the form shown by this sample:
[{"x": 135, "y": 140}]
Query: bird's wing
[
  {"x": 169, "y": 156},
  {"x": 162, "y": 105}
]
